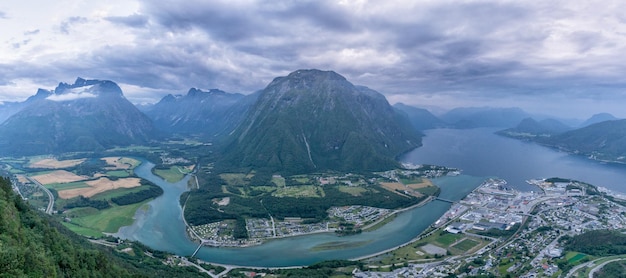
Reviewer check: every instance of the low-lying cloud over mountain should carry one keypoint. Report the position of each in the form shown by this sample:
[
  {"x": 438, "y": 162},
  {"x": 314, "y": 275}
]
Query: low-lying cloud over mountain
[{"x": 437, "y": 53}]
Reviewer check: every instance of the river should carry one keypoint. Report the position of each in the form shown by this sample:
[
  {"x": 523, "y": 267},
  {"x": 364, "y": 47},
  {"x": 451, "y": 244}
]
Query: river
[
  {"x": 161, "y": 227},
  {"x": 478, "y": 152}
]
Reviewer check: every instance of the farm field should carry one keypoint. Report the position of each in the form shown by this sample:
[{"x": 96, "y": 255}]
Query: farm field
[
  {"x": 423, "y": 183},
  {"x": 58, "y": 176},
  {"x": 93, "y": 222},
  {"x": 107, "y": 195},
  {"x": 121, "y": 163},
  {"x": 98, "y": 186},
  {"x": 352, "y": 190},
  {"x": 53, "y": 163},
  {"x": 299, "y": 191}
]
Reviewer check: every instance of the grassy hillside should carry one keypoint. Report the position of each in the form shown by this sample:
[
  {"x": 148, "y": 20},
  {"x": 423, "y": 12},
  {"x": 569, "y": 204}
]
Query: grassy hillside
[{"x": 33, "y": 244}]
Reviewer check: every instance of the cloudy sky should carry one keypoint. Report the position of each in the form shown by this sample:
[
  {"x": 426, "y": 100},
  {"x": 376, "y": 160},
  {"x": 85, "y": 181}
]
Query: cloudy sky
[{"x": 553, "y": 57}]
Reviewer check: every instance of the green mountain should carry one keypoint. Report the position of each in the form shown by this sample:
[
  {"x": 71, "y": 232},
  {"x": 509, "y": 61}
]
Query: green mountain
[
  {"x": 605, "y": 140},
  {"x": 89, "y": 115},
  {"x": 204, "y": 113},
  {"x": 315, "y": 120},
  {"x": 33, "y": 244},
  {"x": 472, "y": 117},
  {"x": 420, "y": 118},
  {"x": 529, "y": 129},
  {"x": 598, "y": 118}
]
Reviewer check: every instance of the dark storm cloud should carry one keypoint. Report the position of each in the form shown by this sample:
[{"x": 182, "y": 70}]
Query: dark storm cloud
[
  {"x": 134, "y": 21},
  {"x": 470, "y": 49}
]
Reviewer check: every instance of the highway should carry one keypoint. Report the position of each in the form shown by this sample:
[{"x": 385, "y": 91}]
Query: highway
[{"x": 50, "y": 196}]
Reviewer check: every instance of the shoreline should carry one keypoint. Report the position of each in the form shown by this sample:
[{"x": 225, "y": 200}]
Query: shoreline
[
  {"x": 199, "y": 241},
  {"x": 265, "y": 240},
  {"x": 418, "y": 237}
]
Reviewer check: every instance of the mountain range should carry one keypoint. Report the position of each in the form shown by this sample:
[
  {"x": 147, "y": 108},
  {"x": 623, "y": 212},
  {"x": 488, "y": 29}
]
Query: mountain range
[
  {"x": 473, "y": 117},
  {"x": 420, "y": 118},
  {"x": 204, "y": 113},
  {"x": 530, "y": 128},
  {"x": 604, "y": 141},
  {"x": 602, "y": 136},
  {"x": 309, "y": 120}
]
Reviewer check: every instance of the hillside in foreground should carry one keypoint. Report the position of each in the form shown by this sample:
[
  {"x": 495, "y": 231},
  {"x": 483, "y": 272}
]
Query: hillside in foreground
[{"x": 35, "y": 245}]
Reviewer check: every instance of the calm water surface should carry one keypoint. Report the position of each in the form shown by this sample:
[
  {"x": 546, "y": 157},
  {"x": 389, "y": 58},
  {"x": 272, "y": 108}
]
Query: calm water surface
[{"x": 479, "y": 152}]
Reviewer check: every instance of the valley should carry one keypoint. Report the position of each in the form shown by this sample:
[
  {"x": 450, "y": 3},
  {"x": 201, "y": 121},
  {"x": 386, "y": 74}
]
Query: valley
[
  {"x": 312, "y": 168},
  {"x": 95, "y": 196}
]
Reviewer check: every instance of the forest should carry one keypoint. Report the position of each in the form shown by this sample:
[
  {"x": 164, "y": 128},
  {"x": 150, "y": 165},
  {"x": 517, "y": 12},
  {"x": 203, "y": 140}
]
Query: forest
[
  {"x": 140, "y": 196},
  {"x": 33, "y": 244},
  {"x": 597, "y": 243}
]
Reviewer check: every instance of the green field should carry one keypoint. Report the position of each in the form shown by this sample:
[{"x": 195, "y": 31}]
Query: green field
[
  {"x": 171, "y": 175},
  {"x": 439, "y": 238},
  {"x": 299, "y": 191},
  {"x": 466, "y": 245},
  {"x": 90, "y": 221},
  {"x": 406, "y": 181},
  {"x": 264, "y": 188},
  {"x": 66, "y": 186},
  {"x": 279, "y": 181},
  {"x": 118, "y": 173},
  {"x": 447, "y": 239},
  {"x": 82, "y": 230},
  {"x": 574, "y": 257},
  {"x": 352, "y": 190}
]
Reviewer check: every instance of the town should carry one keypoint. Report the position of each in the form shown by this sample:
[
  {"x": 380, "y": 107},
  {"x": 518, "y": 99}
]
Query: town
[{"x": 513, "y": 233}]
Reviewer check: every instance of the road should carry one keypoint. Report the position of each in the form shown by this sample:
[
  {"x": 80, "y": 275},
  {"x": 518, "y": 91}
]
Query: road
[
  {"x": 50, "y": 196},
  {"x": 600, "y": 266}
]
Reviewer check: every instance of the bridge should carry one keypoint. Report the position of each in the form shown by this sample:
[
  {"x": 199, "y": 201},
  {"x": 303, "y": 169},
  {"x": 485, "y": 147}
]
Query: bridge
[{"x": 445, "y": 200}]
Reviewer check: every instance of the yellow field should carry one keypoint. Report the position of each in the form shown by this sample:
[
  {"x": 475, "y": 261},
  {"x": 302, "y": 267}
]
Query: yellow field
[
  {"x": 392, "y": 186},
  {"x": 424, "y": 183},
  {"x": 98, "y": 186},
  {"x": 395, "y": 186},
  {"x": 59, "y": 176},
  {"x": 53, "y": 163}
]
